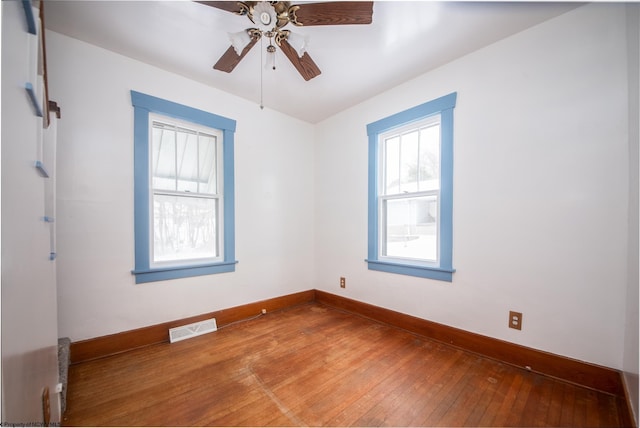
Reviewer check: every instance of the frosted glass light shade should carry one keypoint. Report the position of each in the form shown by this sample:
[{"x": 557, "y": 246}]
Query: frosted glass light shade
[
  {"x": 239, "y": 41},
  {"x": 270, "y": 63},
  {"x": 299, "y": 43}
]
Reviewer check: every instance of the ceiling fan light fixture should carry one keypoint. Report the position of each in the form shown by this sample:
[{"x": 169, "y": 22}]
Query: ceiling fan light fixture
[
  {"x": 270, "y": 63},
  {"x": 239, "y": 41},
  {"x": 298, "y": 42},
  {"x": 269, "y": 18},
  {"x": 264, "y": 16}
]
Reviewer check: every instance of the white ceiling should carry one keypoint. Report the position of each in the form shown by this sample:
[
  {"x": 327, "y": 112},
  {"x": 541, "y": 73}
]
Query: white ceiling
[{"x": 406, "y": 39}]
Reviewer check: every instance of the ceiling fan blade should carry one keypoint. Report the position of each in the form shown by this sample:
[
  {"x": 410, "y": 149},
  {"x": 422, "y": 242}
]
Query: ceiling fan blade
[
  {"x": 305, "y": 65},
  {"x": 230, "y": 58},
  {"x": 229, "y": 6},
  {"x": 333, "y": 13}
]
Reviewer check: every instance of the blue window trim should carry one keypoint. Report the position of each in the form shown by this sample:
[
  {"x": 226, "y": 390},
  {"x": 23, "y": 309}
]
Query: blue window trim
[
  {"x": 143, "y": 105},
  {"x": 444, "y": 271}
]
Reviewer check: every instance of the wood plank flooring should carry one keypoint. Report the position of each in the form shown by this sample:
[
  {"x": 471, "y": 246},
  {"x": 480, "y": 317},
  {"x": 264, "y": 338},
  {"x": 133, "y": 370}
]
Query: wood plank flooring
[{"x": 312, "y": 365}]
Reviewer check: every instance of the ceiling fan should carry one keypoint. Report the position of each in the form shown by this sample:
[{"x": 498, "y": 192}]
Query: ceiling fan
[{"x": 271, "y": 16}]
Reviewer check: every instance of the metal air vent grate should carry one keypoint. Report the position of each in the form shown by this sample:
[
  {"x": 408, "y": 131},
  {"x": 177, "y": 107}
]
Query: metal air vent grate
[{"x": 192, "y": 330}]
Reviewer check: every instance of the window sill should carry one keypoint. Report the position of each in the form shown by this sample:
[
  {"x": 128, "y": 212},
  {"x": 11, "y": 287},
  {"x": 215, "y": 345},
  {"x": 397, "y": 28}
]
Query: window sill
[
  {"x": 175, "y": 272},
  {"x": 438, "y": 273}
]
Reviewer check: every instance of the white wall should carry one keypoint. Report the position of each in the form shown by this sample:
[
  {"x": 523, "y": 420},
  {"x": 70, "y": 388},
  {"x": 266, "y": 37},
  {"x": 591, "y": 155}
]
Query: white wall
[
  {"x": 274, "y": 197},
  {"x": 540, "y": 190},
  {"x": 29, "y": 310},
  {"x": 630, "y": 361}
]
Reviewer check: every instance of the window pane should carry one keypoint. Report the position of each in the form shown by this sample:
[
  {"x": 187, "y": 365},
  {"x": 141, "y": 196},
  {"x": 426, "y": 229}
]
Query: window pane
[
  {"x": 429, "y": 173},
  {"x": 409, "y": 145},
  {"x": 208, "y": 156},
  {"x": 391, "y": 166},
  {"x": 164, "y": 158},
  {"x": 187, "y": 160},
  {"x": 411, "y": 228},
  {"x": 184, "y": 228}
]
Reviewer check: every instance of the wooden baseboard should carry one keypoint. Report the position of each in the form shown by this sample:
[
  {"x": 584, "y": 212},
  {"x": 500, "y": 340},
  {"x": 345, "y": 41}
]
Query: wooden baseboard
[
  {"x": 585, "y": 374},
  {"x": 592, "y": 376},
  {"x": 112, "y": 344}
]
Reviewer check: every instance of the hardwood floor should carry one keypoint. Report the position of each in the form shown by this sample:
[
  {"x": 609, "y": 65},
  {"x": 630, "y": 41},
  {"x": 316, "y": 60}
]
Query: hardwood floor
[{"x": 312, "y": 365}]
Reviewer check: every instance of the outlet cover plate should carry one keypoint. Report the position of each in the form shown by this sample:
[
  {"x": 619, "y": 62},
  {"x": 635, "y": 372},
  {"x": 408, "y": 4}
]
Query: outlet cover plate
[{"x": 515, "y": 320}]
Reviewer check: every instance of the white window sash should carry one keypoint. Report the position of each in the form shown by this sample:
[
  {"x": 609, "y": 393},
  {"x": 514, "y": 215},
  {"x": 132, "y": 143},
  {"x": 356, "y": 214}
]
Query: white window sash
[
  {"x": 182, "y": 126},
  {"x": 383, "y": 226}
]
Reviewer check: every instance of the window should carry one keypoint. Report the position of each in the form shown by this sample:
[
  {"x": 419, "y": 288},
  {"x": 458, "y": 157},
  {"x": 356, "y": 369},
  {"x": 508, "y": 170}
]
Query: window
[
  {"x": 411, "y": 191},
  {"x": 184, "y": 191},
  {"x": 186, "y": 199}
]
